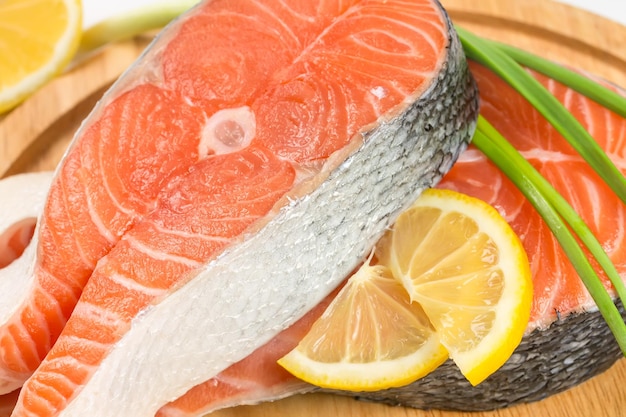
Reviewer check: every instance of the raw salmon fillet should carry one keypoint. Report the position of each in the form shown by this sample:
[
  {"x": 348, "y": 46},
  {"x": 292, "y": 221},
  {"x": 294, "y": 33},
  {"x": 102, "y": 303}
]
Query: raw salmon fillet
[{"x": 224, "y": 187}]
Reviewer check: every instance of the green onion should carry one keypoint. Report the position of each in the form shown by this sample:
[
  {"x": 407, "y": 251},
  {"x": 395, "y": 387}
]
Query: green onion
[
  {"x": 554, "y": 210},
  {"x": 589, "y": 88},
  {"x": 132, "y": 23},
  {"x": 500, "y": 63}
]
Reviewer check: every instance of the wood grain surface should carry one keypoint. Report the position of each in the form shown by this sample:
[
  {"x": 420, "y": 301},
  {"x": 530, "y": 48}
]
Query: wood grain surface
[{"x": 35, "y": 135}]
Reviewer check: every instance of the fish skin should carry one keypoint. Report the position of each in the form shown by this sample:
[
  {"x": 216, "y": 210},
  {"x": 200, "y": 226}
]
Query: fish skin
[
  {"x": 256, "y": 378},
  {"x": 397, "y": 160}
]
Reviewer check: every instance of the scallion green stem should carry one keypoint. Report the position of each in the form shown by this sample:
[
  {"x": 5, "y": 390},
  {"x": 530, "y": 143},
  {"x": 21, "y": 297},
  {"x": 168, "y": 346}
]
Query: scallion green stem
[
  {"x": 554, "y": 210},
  {"x": 599, "y": 93},
  {"x": 505, "y": 67},
  {"x": 132, "y": 23}
]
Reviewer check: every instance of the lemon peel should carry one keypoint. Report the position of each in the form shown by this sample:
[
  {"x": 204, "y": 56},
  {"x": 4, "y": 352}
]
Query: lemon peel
[{"x": 39, "y": 38}]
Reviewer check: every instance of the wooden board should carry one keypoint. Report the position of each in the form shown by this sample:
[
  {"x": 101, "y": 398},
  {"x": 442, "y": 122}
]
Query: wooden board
[{"x": 34, "y": 136}]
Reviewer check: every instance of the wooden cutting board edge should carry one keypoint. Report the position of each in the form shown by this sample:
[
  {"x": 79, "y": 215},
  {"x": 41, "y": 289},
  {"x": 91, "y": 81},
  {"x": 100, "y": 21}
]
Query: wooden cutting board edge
[
  {"x": 583, "y": 40},
  {"x": 34, "y": 136}
]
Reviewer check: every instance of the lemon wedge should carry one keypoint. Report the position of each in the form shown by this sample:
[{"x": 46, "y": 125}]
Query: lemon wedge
[
  {"x": 370, "y": 337},
  {"x": 452, "y": 279},
  {"x": 461, "y": 261},
  {"x": 38, "y": 39}
]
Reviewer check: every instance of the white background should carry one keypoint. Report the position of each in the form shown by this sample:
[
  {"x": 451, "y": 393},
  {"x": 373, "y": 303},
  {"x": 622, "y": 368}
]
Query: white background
[
  {"x": 611, "y": 9},
  {"x": 96, "y": 10}
]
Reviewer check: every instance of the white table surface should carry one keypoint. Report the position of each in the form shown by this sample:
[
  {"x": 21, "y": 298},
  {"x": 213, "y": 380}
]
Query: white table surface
[{"x": 97, "y": 10}]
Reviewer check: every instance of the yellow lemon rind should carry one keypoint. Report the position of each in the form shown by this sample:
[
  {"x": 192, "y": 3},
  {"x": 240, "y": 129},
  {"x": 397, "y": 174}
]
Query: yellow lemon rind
[
  {"x": 511, "y": 321},
  {"x": 64, "y": 51},
  {"x": 515, "y": 303},
  {"x": 365, "y": 377}
]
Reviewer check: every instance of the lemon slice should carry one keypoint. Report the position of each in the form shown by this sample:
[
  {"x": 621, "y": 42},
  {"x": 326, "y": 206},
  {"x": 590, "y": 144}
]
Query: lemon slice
[
  {"x": 371, "y": 337},
  {"x": 37, "y": 40},
  {"x": 460, "y": 260},
  {"x": 452, "y": 277}
]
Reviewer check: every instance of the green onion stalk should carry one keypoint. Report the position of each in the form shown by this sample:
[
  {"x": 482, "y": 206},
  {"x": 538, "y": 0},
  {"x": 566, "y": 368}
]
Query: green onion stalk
[
  {"x": 561, "y": 218},
  {"x": 573, "y": 79},
  {"x": 558, "y": 215},
  {"x": 132, "y": 23},
  {"x": 497, "y": 60},
  {"x": 507, "y": 62}
]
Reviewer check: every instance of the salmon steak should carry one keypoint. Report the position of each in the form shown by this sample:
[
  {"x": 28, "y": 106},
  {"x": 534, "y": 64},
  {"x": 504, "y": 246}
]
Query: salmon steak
[{"x": 223, "y": 187}]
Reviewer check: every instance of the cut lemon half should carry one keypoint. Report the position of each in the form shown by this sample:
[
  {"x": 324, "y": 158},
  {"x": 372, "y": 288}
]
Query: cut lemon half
[
  {"x": 371, "y": 337},
  {"x": 37, "y": 40},
  {"x": 461, "y": 261}
]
